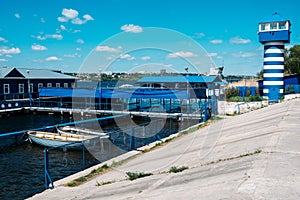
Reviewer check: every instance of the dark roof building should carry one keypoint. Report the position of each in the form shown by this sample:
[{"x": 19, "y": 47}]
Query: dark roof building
[{"x": 20, "y": 81}]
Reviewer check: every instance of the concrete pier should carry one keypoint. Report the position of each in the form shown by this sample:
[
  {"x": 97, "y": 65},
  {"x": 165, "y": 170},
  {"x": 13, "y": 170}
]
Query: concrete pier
[{"x": 250, "y": 156}]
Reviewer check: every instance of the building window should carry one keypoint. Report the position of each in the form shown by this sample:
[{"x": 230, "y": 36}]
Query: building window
[
  {"x": 66, "y": 85},
  {"x": 6, "y": 88},
  {"x": 21, "y": 88},
  {"x": 49, "y": 84},
  {"x": 31, "y": 87},
  {"x": 40, "y": 85},
  {"x": 57, "y": 85}
]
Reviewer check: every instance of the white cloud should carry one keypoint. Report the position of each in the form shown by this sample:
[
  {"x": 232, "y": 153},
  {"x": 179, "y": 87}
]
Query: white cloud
[
  {"x": 37, "y": 60},
  {"x": 78, "y": 49},
  {"x": 146, "y": 58},
  {"x": 37, "y": 47},
  {"x": 62, "y": 19},
  {"x": 55, "y": 36},
  {"x": 239, "y": 40},
  {"x": 43, "y": 20},
  {"x": 13, "y": 50},
  {"x": 76, "y": 31},
  {"x": 3, "y": 40},
  {"x": 62, "y": 27},
  {"x": 183, "y": 54},
  {"x": 108, "y": 49},
  {"x": 39, "y": 37},
  {"x": 77, "y": 21},
  {"x": 199, "y": 35},
  {"x": 110, "y": 57},
  {"x": 127, "y": 56},
  {"x": 80, "y": 41},
  {"x": 3, "y": 60},
  {"x": 71, "y": 14},
  {"x": 216, "y": 41},
  {"x": 75, "y": 55},
  {"x": 212, "y": 54},
  {"x": 88, "y": 17},
  {"x": 243, "y": 54},
  {"x": 17, "y": 15},
  {"x": 52, "y": 58},
  {"x": 131, "y": 28},
  {"x": 52, "y": 36}
]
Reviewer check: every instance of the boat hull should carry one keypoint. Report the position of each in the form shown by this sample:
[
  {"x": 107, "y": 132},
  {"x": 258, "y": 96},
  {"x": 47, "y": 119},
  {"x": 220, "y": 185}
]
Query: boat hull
[{"x": 56, "y": 140}]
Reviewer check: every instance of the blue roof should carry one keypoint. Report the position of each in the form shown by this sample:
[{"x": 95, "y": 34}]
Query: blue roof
[
  {"x": 274, "y": 18},
  {"x": 177, "y": 79}
]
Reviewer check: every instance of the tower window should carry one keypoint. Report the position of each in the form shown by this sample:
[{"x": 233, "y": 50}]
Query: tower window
[
  {"x": 273, "y": 25},
  {"x": 282, "y": 25}
]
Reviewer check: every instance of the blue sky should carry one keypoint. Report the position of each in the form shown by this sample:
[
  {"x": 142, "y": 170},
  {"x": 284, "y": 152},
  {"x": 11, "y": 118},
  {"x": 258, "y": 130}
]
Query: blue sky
[{"x": 137, "y": 35}]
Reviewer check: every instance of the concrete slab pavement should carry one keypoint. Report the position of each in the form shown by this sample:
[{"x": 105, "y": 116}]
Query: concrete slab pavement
[{"x": 251, "y": 156}]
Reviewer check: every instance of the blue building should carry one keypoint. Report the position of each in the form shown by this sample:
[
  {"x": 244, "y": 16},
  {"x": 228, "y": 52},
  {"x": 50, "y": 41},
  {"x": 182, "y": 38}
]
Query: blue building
[
  {"x": 291, "y": 84},
  {"x": 274, "y": 32},
  {"x": 19, "y": 83},
  {"x": 206, "y": 85}
]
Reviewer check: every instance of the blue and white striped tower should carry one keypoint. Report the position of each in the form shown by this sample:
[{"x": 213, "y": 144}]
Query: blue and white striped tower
[{"x": 273, "y": 33}]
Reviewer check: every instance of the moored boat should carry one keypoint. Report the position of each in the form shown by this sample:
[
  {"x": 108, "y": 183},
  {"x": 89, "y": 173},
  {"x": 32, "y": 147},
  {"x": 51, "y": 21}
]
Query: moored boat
[
  {"x": 79, "y": 131},
  {"x": 49, "y": 139}
]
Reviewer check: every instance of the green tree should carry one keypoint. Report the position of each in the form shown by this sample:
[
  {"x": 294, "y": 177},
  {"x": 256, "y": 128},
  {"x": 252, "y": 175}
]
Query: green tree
[
  {"x": 259, "y": 75},
  {"x": 292, "y": 60}
]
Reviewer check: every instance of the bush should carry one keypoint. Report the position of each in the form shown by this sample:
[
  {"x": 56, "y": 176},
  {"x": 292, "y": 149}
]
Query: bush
[
  {"x": 177, "y": 169},
  {"x": 135, "y": 175}
]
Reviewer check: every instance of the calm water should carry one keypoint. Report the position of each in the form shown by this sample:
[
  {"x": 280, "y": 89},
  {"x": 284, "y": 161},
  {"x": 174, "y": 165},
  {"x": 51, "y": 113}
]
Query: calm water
[{"x": 22, "y": 163}]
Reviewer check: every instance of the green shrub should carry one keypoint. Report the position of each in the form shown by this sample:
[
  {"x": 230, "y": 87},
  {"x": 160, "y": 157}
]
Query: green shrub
[
  {"x": 135, "y": 175},
  {"x": 177, "y": 169}
]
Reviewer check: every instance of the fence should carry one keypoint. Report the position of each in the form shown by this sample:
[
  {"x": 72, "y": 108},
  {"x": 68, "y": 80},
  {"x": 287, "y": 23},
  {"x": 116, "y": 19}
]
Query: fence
[{"x": 119, "y": 141}]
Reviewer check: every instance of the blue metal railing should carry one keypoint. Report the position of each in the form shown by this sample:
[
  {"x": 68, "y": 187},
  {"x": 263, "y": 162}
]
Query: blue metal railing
[
  {"x": 48, "y": 180},
  {"x": 131, "y": 145}
]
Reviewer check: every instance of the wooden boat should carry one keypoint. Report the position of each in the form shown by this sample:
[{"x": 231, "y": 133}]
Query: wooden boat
[
  {"x": 49, "y": 139},
  {"x": 79, "y": 131}
]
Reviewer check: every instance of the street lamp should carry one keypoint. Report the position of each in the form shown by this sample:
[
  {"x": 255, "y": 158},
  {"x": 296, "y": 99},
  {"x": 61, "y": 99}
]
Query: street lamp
[
  {"x": 100, "y": 85},
  {"x": 29, "y": 92},
  {"x": 187, "y": 89}
]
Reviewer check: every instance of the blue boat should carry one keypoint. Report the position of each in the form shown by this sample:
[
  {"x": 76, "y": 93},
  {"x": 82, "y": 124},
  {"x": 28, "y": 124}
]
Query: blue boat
[{"x": 49, "y": 139}]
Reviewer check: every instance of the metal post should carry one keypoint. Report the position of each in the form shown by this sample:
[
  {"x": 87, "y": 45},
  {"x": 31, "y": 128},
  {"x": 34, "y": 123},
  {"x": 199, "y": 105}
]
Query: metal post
[
  {"x": 188, "y": 95},
  {"x": 205, "y": 112},
  {"x": 170, "y": 132},
  {"x": 83, "y": 155},
  {"x": 48, "y": 180},
  {"x": 100, "y": 85},
  {"x": 131, "y": 138},
  {"x": 28, "y": 85}
]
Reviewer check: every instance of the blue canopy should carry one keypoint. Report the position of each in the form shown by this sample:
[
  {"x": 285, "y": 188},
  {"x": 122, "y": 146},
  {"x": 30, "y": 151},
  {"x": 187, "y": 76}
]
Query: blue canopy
[{"x": 153, "y": 93}]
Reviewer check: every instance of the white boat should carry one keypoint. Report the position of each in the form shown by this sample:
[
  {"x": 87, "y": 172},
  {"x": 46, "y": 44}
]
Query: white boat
[
  {"x": 79, "y": 131},
  {"x": 49, "y": 139}
]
